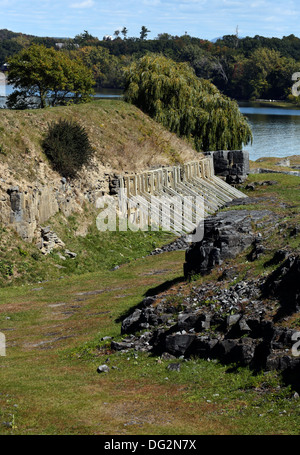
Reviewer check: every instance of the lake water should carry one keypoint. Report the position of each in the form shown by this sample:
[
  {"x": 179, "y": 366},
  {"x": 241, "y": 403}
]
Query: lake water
[
  {"x": 6, "y": 90},
  {"x": 276, "y": 131}
]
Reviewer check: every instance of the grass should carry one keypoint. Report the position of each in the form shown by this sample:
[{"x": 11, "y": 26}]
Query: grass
[
  {"x": 23, "y": 263},
  {"x": 123, "y": 138},
  {"x": 54, "y": 332},
  {"x": 49, "y": 382},
  {"x": 271, "y": 163}
]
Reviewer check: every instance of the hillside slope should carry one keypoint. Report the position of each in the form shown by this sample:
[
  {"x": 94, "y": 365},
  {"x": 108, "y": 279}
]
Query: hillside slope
[
  {"x": 123, "y": 137},
  {"x": 33, "y": 196}
]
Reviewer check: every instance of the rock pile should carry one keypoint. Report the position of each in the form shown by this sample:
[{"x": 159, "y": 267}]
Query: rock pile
[
  {"x": 226, "y": 234},
  {"x": 179, "y": 244},
  {"x": 245, "y": 323},
  {"x": 233, "y": 325},
  {"x": 50, "y": 240}
]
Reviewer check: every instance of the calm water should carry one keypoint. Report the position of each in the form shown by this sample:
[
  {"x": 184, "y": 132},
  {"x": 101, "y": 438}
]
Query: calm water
[
  {"x": 276, "y": 131},
  {"x": 6, "y": 90}
]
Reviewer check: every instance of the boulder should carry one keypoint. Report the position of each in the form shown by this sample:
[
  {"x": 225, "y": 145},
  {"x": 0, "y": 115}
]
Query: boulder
[
  {"x": 131, "y": 323},
  {"x": 178, "y": 343},
  {"x": 103, "y": 369},
  {"x": 226, "y": 234}
]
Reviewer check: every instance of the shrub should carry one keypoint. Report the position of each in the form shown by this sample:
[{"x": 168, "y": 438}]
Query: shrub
[{"x": 67, "y": 146}]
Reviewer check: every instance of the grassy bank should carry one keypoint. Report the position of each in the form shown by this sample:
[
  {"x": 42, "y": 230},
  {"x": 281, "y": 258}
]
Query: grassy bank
[
  {"x": 22, "y": 262},
  {"x": 123, "y": 139},
  {"x": 122, "y": 136},
  {"x": 274, "y": 163},
  {"x": 55, "y": 330}
]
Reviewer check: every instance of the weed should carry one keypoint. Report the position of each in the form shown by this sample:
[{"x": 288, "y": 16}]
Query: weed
[
  {"x": 2, "y": 151},
  {"x": 22, "y": 252},
  {"x": 6, "y": 269}
]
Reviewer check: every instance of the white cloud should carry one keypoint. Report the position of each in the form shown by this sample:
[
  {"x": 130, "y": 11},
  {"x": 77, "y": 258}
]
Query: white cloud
[{"x": 84, "y": 4}]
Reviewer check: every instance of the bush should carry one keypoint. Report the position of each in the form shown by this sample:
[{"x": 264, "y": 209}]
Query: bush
[{"x": 67, "y": 146}]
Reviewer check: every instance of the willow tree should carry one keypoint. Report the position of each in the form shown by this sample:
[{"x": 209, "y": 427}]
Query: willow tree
[{"x": 172, "y": 94}]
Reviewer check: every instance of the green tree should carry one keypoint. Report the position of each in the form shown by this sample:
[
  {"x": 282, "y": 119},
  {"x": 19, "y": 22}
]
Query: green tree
[
  {"x": 144, "y": 32},
  {"x": 107, "y": 69},
  {"x": 259, "y": 66},
  {"x": 124, "y": 32},
  {"x": 45, "y": 74},
  {"x": 172, "y": 94},
  {"x": 86, "y": 39}
]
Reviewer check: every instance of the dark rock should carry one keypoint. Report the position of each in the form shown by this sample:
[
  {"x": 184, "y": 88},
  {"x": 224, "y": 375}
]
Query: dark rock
[
  {"x": 232, "y": 324},
  {"x": 250, "y": 186},
  {"x": 295, "y": 231},
  {"x": 173, "y": 367},
  {"x": 244, "y": 351},
  {"x": 147, "y": 301},
  {"x": 70, "y": 254},
  {"x": 233, "y": 164},
  {"x": 203, "y": 347},
  {"x": 255, "y": 326},
  {"x": 186, "y": 321},
  {"x": 178, "y": 344},
  {"x": 232, "y": 319},
  {"x": 225, "y": 236},
  {"x": 228, "y": 274},
  {"x": 279, "y": 256},
  {"x": 121, "y": 345},
  {"x": 177, "y": 245},
  {"x": 131, "y": 323},
  {"x": 285, "y": 277},
  {"x": 114, "y": 184},
  {"x": 257, "y": 251},
  {"x": 167, "y": 356},
  {"x": 223, "y": 350},
  {"x": 218, "y": 322},
  {"x": 239, "y": 328}
]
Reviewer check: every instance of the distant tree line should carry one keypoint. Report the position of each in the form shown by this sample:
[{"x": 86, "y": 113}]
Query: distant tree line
[
  {"x": 241, "y": 68},
  {"x": 167, "y": 90}
]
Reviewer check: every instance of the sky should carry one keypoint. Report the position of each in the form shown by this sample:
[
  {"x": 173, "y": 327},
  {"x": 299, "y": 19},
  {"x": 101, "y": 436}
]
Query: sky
[{"x": 206, "y": 19}]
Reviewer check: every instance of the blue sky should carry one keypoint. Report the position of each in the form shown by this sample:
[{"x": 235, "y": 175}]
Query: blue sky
[{"x": 206, "y": 19}]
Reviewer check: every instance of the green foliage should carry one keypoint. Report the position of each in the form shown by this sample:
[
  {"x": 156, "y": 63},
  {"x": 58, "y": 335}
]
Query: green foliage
[
  {"x": 191, "y": 107},
  {"x": 144, "y": 32},
  {"x": 85, "y": 39},
  {"x": 22, "y": 252},
  {"x": 2, "y": 151},
  {"x": 6, "y": 269},
  {"x": 240, "y": 68},
  {"x": 43, "y": 75},
  {"x": 68, "y": 147},
  {"x": 35, "y": 256},
  {"x": 107, "y": 69},
  {"x": 235, "y": 65}
]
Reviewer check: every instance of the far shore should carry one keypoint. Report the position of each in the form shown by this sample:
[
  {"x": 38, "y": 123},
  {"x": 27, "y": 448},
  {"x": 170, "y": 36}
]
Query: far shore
[{"x": 272, "y": 103}]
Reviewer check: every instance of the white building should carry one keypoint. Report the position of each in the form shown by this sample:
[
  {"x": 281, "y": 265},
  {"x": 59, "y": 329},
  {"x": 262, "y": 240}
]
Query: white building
[{"x": 2, "y": 84}]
